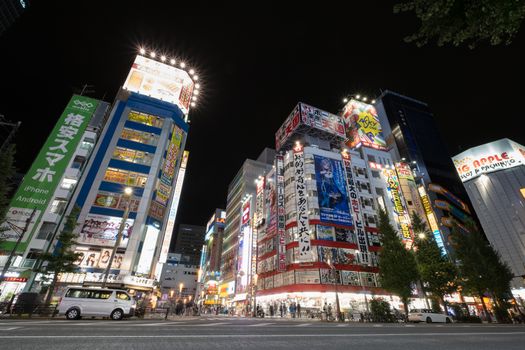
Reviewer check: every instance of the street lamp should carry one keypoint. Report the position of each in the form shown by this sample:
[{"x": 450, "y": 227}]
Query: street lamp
[
  {"x": 333, "y": 279},
  {"x": 128, "y": 191}
]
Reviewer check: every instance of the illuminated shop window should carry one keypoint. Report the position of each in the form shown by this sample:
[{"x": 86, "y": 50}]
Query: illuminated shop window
[
  {"x": 132, "y": 156},
  {"x": 140, "y": 136},
  {"x": 145, "y": 119}
]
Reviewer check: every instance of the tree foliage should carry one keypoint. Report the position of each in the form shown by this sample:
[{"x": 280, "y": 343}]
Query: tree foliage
[
  {"x": 468, "y": 22},
  {"x": 481, "y": 270},
  {"x": 7, "y": 171},
  {"x": 437, "y": 272},
  {"x": 397, "y": 265},
  {"x": 62, "y": 259}
]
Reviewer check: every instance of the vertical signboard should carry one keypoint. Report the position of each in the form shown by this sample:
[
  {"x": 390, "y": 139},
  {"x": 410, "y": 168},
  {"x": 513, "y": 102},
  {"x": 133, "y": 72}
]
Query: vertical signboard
[
  {"x": 409, "y": 189},
  {"x": 168, "y": 231},
  {"x": 301, "y": 199},
  {"x": 332, "y": 193},
  {"x": 42, "y": 179},
  {"x": 401, "y": 215},
  {"x": 244, "y": 247},
  {"x": 359, "y": 229},
  {"x": 431, "y": 218},
  {"x": 259, "y": 222},
  {"x": 281, "y": 219}
]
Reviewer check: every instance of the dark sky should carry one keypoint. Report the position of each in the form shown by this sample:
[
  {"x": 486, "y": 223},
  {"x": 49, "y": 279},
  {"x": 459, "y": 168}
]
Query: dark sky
[{"x": 255, "y": 63}]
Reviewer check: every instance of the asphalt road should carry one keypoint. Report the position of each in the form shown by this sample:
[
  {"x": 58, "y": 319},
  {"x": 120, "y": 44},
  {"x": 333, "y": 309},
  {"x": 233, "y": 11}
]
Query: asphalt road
[{"x": 239, "y": 333}]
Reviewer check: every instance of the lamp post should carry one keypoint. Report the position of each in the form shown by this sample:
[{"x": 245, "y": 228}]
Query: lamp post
[
  {"x": 333, "y": 279},
  {"x": 128, "y": 191}
]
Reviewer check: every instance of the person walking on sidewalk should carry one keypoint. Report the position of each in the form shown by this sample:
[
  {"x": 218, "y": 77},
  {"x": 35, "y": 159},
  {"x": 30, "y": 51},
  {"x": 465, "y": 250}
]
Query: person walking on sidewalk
[{"x": 299, "y": 310}]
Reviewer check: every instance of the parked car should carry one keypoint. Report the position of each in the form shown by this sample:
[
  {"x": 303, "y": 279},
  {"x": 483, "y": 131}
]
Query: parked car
[
  {"x": 428, "y": 316},
  {"x": 78, "y": 302}
]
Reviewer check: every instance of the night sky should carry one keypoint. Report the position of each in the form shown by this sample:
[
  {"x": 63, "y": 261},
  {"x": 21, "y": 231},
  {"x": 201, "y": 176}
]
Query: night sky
[{"x": 255, "y": 62}]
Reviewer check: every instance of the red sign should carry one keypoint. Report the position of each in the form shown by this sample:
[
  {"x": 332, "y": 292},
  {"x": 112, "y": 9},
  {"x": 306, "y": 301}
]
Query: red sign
[
  {"x": 15, "y": 279},
  {"x": 245, "y": 213}
]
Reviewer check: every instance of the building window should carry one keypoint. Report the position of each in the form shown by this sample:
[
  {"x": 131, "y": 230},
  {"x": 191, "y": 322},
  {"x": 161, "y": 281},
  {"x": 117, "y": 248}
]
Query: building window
[
  {"x": 87, "y": 144},
  {"x": 140, "y": 136},
  {"x": 78, "y": 162},
  {"x": 68, "y": 184},
  {"x": 125, "y": 177},
  {"x": 145, "y": 119},
  {"x": 46, "y": 230},
  {"x": 371, "y": 158},
  {"x": 132, "y": 156},
  {"x": 375, "y": 174},
  {"x": 58, "y": 206}
]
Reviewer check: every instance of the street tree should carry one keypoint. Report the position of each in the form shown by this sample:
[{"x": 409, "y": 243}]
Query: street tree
[
  {"x": 438, "y": 274},
  {"x": 7, "y": 171},
  {"x": 397, "y": 265},
  {"x": 461, "y": 22},
  {"x": 481, "y": 270},
  {"x": 62, "y": 259}
]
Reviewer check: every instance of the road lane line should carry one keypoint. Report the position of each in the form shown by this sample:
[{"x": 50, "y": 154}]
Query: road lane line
[
  {"x": 212, "y": 324},
  {"x": 303, "y": 325},
  {"x": 258, "y": 324},
  {"x": 8, "y": 329},
  {"x": 294, "y": 335}
]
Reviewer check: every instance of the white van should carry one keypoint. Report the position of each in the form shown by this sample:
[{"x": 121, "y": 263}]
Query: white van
[{"x": 78, "y": 302}]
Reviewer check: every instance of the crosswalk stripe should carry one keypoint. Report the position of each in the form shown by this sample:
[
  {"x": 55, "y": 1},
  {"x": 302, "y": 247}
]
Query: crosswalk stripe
[
  {"x": 212, "y": 324},
  {"x": 8, "y": 328},
  {"x": 341, "y": 325},
  {"x": 304, "y": 325},
  {"x": 258, "y": 324}
]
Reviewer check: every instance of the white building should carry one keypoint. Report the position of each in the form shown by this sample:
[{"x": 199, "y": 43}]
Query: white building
[
  {"x": 494, "y": 177},
  {"x": 178, "y": 278}
]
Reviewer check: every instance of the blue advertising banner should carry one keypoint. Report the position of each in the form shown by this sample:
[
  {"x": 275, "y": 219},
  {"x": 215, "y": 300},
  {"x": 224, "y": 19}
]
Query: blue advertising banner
[{"x": 332, "y": 193}]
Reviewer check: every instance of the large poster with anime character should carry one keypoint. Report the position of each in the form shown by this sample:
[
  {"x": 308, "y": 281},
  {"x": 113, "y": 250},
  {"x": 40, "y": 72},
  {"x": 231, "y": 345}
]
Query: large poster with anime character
[
  {"x": 328, "y": 253},
  {"x": 332, "y": 192}
]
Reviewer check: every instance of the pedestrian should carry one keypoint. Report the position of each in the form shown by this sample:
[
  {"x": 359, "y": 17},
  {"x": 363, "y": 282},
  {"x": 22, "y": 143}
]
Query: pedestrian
[
  {"x": 299, "y": 310},
  {"x": 281, "y": 310},
  {"x": 271, "y": 310},
  {"x": 329, "y": 315}
]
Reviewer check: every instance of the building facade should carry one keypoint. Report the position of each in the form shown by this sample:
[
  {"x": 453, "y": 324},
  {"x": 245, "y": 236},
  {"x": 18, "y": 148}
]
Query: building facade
[
  {"x": 494, "y": 176},
  {"x": 38, "y": 207},
  {"x": 236, "y": 253},
  {"x": 188, "y": 242},
  {"x": 413, "y": 138},
  {"x": 210, "y": 262},
  {"x": 178, "y": 278}
]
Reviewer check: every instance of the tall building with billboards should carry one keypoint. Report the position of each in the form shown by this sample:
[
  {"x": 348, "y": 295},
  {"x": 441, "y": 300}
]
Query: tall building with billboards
[
  {"x": 412, "y": 137},
  {"x": 141, "y": 148},
  {"x": 494, "y": 176},
  {"x": 37, "y": 209},
  {"x": 210, "y": 262},
  {"x": 236, "y": 252}
]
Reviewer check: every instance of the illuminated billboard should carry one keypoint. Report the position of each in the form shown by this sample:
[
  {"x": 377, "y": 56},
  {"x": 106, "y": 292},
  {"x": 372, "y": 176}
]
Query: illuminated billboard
[
  {"x": 37, "y": 189},
  {"x": 487, "y": 158},
  {"x": 305, "y": 118},
  {"x": 362, "y": 125},
  {"x": 332, "y": 194},
  {"x": 161, "y": 81},
  {"x": 401, "y": 215},
  {"x": 102, "y": 230}
]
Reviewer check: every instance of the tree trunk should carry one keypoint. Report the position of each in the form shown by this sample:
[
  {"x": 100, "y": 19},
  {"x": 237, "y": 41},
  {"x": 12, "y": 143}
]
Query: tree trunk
[
  {"x": 485, "y": 308},
  {"x": 442, "y": 300},
  {"x": 405, "y": 306},
  {"x": 51, "y": 289}
]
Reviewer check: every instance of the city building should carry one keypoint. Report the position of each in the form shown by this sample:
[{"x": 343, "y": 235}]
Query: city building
[
  {"x": 412, "y": 137},
  {"x": 236, "y": 246},
  {"x": 316, "y": 222},
  {"x": 178, "y": 278},
  {"x": 188, "y": 242},
  {"x": 494, "y": 177},
  {"x": 127, "y": 197},
  {"x": 42, "y": 198},
  {"x": 210, "y": 262},
  {"x": 10, "y": 11}
]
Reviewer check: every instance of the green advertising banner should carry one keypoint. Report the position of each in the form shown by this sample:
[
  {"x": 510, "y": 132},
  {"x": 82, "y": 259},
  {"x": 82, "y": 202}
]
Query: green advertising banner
[{"x": 39, "y": 184}]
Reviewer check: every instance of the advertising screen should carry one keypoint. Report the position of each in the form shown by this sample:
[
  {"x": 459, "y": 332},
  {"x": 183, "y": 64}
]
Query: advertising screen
[
  {"x": 42, "y": 179},
  {"x": 332, "y": 193},
  {"x": 102, "y": 230},
  {"x": 161, "y": 81},
  {"x": 493, "y": 156},
  {"x": 400, "y": 212},
  {"x": 148, "y": 249},
  {"x": 362, "y": 125}
]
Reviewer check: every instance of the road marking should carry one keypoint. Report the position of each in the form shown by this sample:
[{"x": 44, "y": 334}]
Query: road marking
[
  {"x": 294, "y": 335},
  {"x": 304, "y": 325},
  {"x": 377, "y": 325},
  {"x": 341, "y": 325},
  {"x": 258, "y": 324},
  {"x": 212, "y": 324},
  {"x": 8, "y": 328}
]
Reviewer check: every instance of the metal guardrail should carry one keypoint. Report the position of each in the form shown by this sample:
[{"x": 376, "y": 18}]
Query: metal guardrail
[{"x": 9, "y": 310}]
